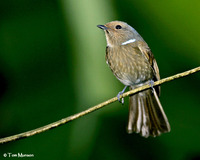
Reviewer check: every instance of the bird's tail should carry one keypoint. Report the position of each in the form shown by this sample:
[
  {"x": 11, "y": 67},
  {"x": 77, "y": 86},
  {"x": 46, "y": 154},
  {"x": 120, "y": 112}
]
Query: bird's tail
[{"x": 146, "y": 115}]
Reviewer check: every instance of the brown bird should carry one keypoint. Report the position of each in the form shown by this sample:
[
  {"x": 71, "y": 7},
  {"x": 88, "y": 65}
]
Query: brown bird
[{"x": 132, "y": 62}]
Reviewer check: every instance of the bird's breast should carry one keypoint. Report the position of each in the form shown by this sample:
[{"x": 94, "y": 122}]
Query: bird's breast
[{"x": 128, "y": 65}]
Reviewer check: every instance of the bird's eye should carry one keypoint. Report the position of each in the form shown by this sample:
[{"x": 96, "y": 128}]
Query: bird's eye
[{"x": 118, "y": 27}]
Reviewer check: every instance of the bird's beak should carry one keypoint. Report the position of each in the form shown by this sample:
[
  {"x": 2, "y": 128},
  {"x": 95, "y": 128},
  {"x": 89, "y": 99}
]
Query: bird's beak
[{"x": 102, "y": 27}]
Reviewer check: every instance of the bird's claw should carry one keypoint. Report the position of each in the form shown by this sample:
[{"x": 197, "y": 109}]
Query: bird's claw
[
  {"x": 151, "y": 83},
  {"x": 118, "y": 97},
  {"x": 119, "y": 94}
]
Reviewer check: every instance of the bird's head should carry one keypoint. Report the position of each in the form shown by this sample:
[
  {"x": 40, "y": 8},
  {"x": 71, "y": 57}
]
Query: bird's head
[{"x": 119, "y": 33}]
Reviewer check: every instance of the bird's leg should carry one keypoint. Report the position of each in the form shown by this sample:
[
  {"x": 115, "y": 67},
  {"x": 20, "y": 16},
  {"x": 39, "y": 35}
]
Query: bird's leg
[{"x": 120, "y": 93}]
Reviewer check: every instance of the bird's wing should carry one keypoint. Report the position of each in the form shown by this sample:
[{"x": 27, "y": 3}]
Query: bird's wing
[{"x": 146, "y": 51}]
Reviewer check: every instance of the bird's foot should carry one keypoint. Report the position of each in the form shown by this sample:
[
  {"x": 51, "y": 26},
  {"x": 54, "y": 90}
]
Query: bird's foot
[
  {"x": 119, "y": 94},
  {"x": 118, "y": 97},
  {"x": 151, "y": 83}
]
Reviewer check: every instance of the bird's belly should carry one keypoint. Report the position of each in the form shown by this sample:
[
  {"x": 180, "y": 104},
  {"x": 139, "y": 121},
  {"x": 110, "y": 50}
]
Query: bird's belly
[{"x": 131, "y": 71}]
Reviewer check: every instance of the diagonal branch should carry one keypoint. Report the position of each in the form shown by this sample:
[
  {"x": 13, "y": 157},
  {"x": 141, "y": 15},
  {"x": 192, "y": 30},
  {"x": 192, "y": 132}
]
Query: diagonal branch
[{"x": 94, "y": 108}]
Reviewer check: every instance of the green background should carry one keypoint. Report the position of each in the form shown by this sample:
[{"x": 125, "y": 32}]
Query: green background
[{"x": 52, "y": 65}]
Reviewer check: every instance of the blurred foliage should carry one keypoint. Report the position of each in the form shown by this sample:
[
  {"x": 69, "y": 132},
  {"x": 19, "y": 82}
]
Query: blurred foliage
[{"x": 52, "y": 65}]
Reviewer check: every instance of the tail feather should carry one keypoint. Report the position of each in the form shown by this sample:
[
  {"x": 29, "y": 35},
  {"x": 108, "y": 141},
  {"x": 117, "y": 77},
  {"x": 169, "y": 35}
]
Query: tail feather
[{"x": 146, "y": 115}]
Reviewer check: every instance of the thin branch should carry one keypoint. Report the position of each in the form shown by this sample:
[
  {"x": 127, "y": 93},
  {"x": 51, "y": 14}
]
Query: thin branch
[{"x": 94, "y": 108}]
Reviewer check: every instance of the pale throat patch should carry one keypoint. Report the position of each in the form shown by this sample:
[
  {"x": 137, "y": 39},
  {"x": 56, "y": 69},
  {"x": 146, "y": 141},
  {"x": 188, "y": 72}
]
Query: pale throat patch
[
  {"x": 129, "y": 41},
  {"x": 108, "y": 42}
]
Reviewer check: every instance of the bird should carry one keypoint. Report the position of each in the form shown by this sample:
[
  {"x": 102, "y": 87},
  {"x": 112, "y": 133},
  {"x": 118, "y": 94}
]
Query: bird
[{"x": 133, "y": 64}]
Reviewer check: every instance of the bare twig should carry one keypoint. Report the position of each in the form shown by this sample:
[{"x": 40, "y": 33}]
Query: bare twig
[{"x": 94, "y": 108}]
